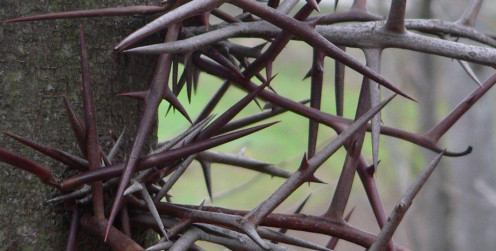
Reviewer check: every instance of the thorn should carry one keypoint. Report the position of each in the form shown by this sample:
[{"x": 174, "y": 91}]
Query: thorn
[
  {"x": 172, "y": 99},
  {"x": 469, "y": 71},
  {"x": 135, "y": 187},
  {"x": 309, "y": 74},
  {"x": 207, "y": 174},
  {"x": 139, "y": 94},
  {"x": 303, "y": 164},
  {"x": 205, "y": 18},
  {"x": 268, "y": 70},
  {"x": 313, "y": 4}
]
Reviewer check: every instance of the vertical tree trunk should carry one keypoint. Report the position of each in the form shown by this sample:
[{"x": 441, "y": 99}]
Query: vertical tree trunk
[{"x": 39, "y": 62}]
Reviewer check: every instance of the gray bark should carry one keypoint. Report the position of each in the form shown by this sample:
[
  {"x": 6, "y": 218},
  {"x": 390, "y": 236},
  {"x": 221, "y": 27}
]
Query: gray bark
[{"x": 39, "y": 62}]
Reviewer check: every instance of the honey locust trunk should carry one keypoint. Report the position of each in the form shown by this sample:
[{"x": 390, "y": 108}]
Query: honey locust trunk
[{"x": 40, "y": 63}]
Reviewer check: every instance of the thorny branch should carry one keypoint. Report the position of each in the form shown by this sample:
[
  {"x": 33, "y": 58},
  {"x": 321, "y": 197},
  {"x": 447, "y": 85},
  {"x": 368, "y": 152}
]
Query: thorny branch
[{"x": 204, "y": 46}]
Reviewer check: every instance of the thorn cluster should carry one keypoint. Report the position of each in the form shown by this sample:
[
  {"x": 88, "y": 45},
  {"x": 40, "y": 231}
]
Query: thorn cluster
[{"x": 135, "y": 189}]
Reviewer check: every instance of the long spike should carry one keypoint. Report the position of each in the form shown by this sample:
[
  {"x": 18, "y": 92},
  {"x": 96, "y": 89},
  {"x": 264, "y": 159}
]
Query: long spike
[
  {"x": 157, "y": 89},
  {"x": 402, "y": 207},
  {"x": 162, "y": 158},
  {"x": 64, "y": 157},
  {"x": 117, "y": 11},
  {"x": 92, "y": 147}
]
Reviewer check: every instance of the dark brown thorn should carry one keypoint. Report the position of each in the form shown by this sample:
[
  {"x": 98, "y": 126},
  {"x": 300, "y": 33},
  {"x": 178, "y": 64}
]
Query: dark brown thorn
[
  {"x": 212, "y": 53},
  {"x": 315, "y": 98},
  {"x": 251, "y": 119},
  {"x": 26, "y": 164},
  {"x": 188, "y": 75},
  {"x": 301, "y": 176},
  {"x": 207, "y": 175},
  {"x": 172, "y": 99},
  {"x": 312, "y": 37},
  {"x": 334, "y": 241},
  {"x": 175, "y": 70},
  {"x": 209, "y": 107},
  {"x": 117, "y": 11},
  {"x": 77, "y": 126},
  {"x": 354, "y": 147},
  {"x": 325, "y": 118},
  {"x": 139, "y": 94},
  {"x": 442, "y": 127},
  {"x": 159, "y": 159},
  {"x": 115, "y": 238},
  {"x": 64, "y": 157},
  {"x": 339, "y": 84},
  {"x": 92, "y": 147},
  {"x": 402, "y": 207},
  {"x": 223, "y": 119},
  {"x": 73, "y": 231},
  {"x": 157, "y": 89},
  {"x": 396, "y": 18}
]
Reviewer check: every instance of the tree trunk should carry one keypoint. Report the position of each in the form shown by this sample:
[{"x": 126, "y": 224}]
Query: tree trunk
[{"x": 39, "y": 64}]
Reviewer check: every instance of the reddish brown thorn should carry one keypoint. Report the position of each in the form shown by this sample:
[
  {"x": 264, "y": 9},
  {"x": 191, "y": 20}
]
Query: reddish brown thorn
[
  {"x": 92, "y": 147},
  {"x": 118, "y": 11},
  {"x": 314, "y": 4},
  {"x": 77, "y": 126},
  {"x": 64, "y": 157},
  {"x": 205, "y": 19},
  {"x": 26, "y": 164},
  {"x": 157, "y": 90},
  {"x": 139, "y": 94},
  {"x": 159, "y": 159}
]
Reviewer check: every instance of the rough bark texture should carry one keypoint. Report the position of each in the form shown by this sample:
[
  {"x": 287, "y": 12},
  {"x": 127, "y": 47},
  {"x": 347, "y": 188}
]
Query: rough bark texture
[{"x": 39, "y": 62}]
